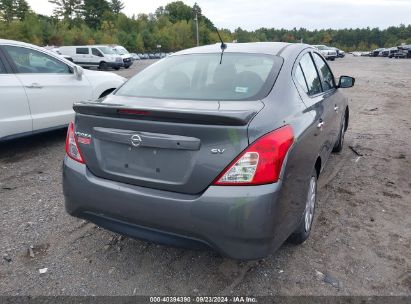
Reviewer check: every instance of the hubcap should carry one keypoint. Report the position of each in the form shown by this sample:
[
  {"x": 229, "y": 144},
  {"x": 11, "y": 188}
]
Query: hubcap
[{"x": 310, "y": 204}]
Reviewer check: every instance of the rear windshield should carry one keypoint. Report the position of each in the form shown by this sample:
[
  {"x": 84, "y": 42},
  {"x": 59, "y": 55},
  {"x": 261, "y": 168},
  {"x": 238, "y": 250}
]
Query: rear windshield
[{"x": 202, "y": 77}]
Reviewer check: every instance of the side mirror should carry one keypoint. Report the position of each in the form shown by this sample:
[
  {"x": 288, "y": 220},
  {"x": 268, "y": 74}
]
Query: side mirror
[
  {"x": 346, "y": 82},
  {"x": 78, "y": 72}
]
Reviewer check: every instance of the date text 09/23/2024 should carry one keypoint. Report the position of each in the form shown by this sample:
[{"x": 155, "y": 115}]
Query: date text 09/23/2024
[{"x": 203, "y": 299}]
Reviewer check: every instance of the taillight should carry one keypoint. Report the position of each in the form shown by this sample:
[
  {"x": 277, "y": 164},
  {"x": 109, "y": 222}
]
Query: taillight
[
  {"x": 72, "y": 148},
  {"x": 261, "y": 162}
]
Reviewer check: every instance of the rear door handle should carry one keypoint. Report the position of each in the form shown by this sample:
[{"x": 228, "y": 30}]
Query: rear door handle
[
  {"x": 34, "y": 86},
  {"x": 320, "y": 125},
  {"x": 336, "y": 108}
]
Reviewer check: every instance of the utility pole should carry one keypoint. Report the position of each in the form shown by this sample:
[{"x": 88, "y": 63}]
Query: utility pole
[{"x": 196, "y": 20}]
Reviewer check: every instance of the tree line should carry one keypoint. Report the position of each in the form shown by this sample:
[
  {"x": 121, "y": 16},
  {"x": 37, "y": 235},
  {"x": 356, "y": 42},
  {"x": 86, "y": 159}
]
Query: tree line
[{"x": 77, "y": 22}]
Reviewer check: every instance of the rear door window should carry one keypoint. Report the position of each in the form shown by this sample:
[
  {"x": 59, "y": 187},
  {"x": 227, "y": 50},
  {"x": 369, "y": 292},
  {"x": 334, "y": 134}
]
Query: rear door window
[
  {"x": 311, "y": 76},
  {"x": 324, "y": 70},
  {"x": 82, "y": 51}
]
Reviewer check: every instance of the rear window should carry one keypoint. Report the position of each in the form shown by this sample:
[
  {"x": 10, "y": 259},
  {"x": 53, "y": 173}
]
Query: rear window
[{"x": 202, "y": 77}]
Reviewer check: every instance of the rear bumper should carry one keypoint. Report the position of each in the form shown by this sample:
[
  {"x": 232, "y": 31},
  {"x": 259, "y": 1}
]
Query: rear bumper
[{"x": 239, "y": 222}]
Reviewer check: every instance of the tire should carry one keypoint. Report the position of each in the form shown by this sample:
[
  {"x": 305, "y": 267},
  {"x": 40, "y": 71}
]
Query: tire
[
  {"x": 117, "y": 68},
  {"x": 126, "y": 67},
  {"x": 303, "y": 230},
  {"x": 340, "y": 143},
  {"x": 103, "y": 66}
]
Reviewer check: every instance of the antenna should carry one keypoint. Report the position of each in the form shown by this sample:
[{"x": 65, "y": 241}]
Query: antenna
[{"x": 223, "y": 46}]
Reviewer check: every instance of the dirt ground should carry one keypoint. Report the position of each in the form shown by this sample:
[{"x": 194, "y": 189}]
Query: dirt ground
[{"x": 360, "y": 244}]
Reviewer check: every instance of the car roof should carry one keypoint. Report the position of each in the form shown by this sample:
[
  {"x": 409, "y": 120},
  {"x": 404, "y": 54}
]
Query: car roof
[
  {"x": 18, "y": 43},
  {"x": 34, "y": 47},
  {"x": 269, "y": 48},
  {"x": 24, "y": 44}
]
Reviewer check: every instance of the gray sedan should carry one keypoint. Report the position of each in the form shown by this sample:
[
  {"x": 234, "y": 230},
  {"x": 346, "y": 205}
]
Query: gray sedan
[{"x": 214, "y": 146}]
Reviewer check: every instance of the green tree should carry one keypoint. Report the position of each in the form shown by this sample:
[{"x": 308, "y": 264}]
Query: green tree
[
  {"x": 197, "y": 10},
  {"x": 93, "y": 12},
  {"x": 67, "y": 9},
  {"x": 7, "y": 10},
  {"x": 178, "y": 11},
  {"x": 21, "y": 9},
  {"x": 116, "y": 6},
  {"x": 139, "y": 45},
  {"x": 13, "y": 9}
]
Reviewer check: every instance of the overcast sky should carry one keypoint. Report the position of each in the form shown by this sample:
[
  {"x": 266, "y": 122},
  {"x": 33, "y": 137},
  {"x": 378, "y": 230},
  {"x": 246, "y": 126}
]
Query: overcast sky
[{"x": 254, "y": 14}]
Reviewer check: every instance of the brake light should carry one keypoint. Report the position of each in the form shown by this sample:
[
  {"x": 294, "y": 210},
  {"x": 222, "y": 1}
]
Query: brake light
[
  {"x": 261, "y": 162},
  {"x": 72, "y": 148},
  {"x": 132, "y": 112}
]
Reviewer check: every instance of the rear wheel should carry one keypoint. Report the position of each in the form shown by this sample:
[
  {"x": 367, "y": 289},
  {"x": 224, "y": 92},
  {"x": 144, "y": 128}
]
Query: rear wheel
[
  {"x": 103, "y": 66},
  {"x": 302, "y": 233},
  {"x": 127, "y": 67},
  {"x": 340, "y": 143},
  {"x": 117, "y": 68}
]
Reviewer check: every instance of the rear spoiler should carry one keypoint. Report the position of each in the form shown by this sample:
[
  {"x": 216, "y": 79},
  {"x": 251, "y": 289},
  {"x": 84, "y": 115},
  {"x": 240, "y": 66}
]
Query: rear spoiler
[{"x": 213, "y": 117}]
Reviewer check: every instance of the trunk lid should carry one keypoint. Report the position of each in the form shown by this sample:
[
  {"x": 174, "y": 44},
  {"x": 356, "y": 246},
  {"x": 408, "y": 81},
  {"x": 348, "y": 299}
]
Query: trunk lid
[{"x": 179, "y": 146}]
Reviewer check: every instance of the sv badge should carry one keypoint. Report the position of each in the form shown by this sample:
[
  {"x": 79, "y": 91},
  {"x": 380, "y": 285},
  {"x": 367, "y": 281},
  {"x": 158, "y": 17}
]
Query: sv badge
[{"x": 217, "y": 151}]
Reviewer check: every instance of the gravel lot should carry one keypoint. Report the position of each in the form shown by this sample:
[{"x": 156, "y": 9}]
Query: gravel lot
[{"x": 360, "y": 244}]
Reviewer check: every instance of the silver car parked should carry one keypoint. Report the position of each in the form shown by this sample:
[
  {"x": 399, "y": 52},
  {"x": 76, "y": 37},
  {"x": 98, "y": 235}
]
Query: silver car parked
[{"x": 216, "y": 147}]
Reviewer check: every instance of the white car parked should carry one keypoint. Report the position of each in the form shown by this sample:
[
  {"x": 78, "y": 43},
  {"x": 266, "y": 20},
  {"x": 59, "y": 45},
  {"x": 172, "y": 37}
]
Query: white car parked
[
  {"x": 100, "y": 56},
  {"x": 38, "y": 89},
  {"x": 57, "y": 51},
  {"x": 327, "y": 52},
  {"x": 127, "y": 57}
]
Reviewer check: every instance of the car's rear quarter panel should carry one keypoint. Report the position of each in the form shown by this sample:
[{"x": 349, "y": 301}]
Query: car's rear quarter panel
[{"x": 284, "y": 106}]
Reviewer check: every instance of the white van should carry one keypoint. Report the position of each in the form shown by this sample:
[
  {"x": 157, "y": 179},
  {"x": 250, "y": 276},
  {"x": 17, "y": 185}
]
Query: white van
[
  {"x": 102, "y": 57},
  {"x": 122, "y": 51}
]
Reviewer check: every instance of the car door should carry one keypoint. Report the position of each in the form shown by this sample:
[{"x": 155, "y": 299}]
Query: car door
[
  {"x": 96, "y": 56},
  {"x": 50, "y": 85},
  {"x": 331, "y": 98},
  {"x": 83, "y": 56},
  {"x": 311, "y": 91},
  {"x": 15, "y": 117}
]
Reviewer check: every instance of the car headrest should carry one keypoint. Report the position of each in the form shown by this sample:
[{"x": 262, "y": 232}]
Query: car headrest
[
  {"x": 176, "y": 81},
  {"x": 224, "y": 75},
  {"x": 250, "y": 80}
]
